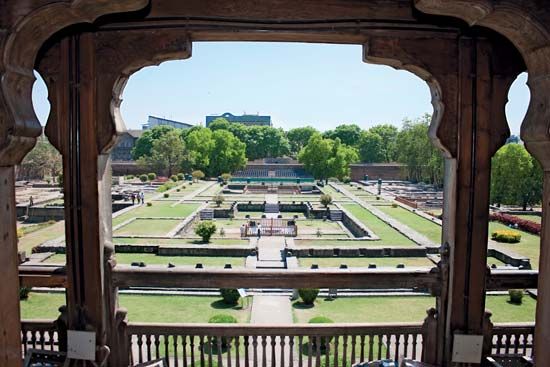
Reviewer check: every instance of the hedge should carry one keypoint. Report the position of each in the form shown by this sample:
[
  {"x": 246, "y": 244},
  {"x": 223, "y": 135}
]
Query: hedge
[
  {"x": 506, "y": 236},
  {"x": 523, "y": 224}
]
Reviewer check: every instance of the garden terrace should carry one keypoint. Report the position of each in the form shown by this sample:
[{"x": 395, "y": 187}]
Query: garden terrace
[{"x": 87, "y": 50}]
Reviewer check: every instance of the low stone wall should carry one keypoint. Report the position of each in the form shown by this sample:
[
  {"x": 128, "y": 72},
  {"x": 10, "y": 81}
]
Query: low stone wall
[
  {"x": 355, "y": 227},
  {"x": 519, "y": 262},
  {"x": 251, "y": 207},
  {"x": 357, "y": 252},
  {"x": 385, "y": 171},
  {"x": 200, "y": 250},
  {"x": 300, "y": 207},
  {"x": 39, "y": 214}
]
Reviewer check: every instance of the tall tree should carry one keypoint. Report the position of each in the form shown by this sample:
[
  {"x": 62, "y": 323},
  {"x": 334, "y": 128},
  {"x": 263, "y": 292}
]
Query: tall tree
[
  {"x": 342, "y": 156},
  {"x": 349, "y": 134},
  {"x": 200, "y": 144},
  {"x": 388, "y": 133},
  {"x": 168, "y": 153},
  {"x": 516, "y": 177},
  {"x": 299, "y": 137},
  {"x": 144, "y": 144},
  {"x": 43, "y": 160},
  {"x": 219, "y": 123},
  {"x": 228, "y": 154},
  {"x": 371, "y": 147}
]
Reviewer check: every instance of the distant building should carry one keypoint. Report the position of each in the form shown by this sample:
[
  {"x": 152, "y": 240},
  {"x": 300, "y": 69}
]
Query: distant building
[
  {"x": 126, "y": 142},
  {"x": 248, "y": 120},
  {"x": 157, "y": 121}
]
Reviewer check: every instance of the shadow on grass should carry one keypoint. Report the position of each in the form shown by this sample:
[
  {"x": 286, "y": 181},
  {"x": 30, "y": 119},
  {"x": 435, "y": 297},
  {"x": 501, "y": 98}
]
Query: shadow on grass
[
  {"x": 200, "y": 242},
  {"x": 304, "y": 349},
  {"x": 221, "y": 305},
  {"x": 302, "y": 306},
  {"x": 514, "y": 303}
]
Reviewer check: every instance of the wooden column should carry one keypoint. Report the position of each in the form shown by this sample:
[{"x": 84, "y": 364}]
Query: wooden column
[{"x": 483, "y": 84}]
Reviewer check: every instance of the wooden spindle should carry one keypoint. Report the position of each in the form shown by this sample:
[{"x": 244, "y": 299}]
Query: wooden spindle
[
  {"x": 237, "y": 352},
  {"x": 264, "y": 351},
  {"x": 157, "y": 346},
  {"x": 291, "y": 351},
  {"x": 397, "y": 345},
  {"x": 219, "y": 348},
  {"x": 166, "y": 340},
  {"x": 229, "y": 342},
  {"x": 255, "y": 350},
  {"x": 380, "y": 344},
  {"x": 309, "y": 351},
  {"x": 335, "y": 350},
  {"x": 414, "y": 345},
  {"x": 406, "y": 345},
  {"x": 201, "y": 350},
  {"x": 362, "y": 348},
  {"x": 345, "y": 350},
  {"x": 192, "y": 350},
  {"x": 184, "y": 350},
  {"x": 317, "y": 351},
  {"x": 282, "y": 342},
  {"x": 353, "y": 346},
  {"x": 246, "y": 354},
  {"x": 140, "y": 348},
  {"x": 175, "y": 344},
  {"x": 148, "y": 346}
]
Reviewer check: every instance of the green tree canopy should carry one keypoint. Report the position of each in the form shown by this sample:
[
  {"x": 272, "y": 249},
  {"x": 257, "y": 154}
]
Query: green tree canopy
[
  {"x": 516, "y": 177},
  {"x": 144, "y": 144},
  {"x": 42, "y": 160},
  {"x": 349, "y": 134},
  {"x": 200, "y": 144},
  {"x": 167, "y": 153},
  {"x": 299, "y": 137},
  {"x": 228, "y": 154},
  {"x": 371, "y": 147},
  {"x": 219, "y": 123},
  {"x": 388, "y": 133}
]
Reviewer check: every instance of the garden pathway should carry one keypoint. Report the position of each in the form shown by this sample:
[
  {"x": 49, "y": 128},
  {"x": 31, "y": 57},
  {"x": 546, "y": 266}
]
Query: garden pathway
[{"x": 270, "y": 252}]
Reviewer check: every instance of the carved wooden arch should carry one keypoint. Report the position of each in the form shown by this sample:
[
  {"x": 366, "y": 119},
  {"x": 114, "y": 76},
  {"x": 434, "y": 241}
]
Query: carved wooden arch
[
  {"x": 527, "y": 26},
  {"x": 19, "y": 125}
]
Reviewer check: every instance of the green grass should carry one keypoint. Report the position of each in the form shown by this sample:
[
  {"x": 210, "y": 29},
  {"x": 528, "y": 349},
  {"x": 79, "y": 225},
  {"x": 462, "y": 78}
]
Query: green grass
[
  {"x": 152, "y": 259},
  {"x": 158, "y": 210},
  {"x": 319, "y": 223},
  {"x": 329, "y": 241},
  {"x": 153, "y": 227},
  {"x": 142, "y": 308},
  {"x": 325, "y": 262},
  {"x": 421, "y": 225},
  {"x": 333, "y": 193},
  {"x": 529, "y": 246},
  {"x": 388, "y": 235},
  {"x": 532, "y": 218},
  {"x": 51, "y": 232},
  {"x": 403, "y": 309},
  {"x": 179, "y": 241}
]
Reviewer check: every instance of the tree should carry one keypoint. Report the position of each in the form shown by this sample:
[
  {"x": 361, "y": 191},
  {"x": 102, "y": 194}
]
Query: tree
[
  {"x": 200, "y": 144},
  {"x": 516, "y": 177},
  {"x": 348, "y": 134},
  {"x": 219, "y": 123},
  {"x": 325, "y": 158},
  {"x": 218, "y": 199},
  {"x": 144, "y": 144},
  {"x": 371, "y": 149},
  {"x": 205, "y": 230},
  {"x": 167, "y": 153},
  {"x": 388, "y": 133},
  {"x": 299, "y": 137},
  {"x": 228, "y": 154},
  {"x": 197, "y": 175},
  {"x": 326, "y": 200},
  {"x": 43, "y": 160}
]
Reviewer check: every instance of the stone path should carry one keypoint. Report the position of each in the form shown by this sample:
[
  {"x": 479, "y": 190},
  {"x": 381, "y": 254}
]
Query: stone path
[{"x": 270, "y": 252}]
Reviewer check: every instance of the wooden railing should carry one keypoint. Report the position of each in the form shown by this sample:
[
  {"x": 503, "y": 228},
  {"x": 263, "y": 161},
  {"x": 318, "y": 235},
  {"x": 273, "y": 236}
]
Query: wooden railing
[
  {"x": 39, "y": 334},
  {"x": 273, "y": 345},
  {"x": 513, "y": 338}
]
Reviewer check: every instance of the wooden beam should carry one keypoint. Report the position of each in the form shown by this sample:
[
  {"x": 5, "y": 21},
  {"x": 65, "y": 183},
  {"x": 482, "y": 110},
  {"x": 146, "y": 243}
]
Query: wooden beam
[{"x": 10, "y": 328}]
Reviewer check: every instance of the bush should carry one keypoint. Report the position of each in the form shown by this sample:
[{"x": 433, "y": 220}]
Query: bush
[
  {"x": 346, "y": 180},
  {"x": 174, "y": 178},
  {"x": 130, "y": 177},
  {"x": 221, "y": 319},
  {"x": 166, "y": 195},
  {"x": 324, "y": 340},
  {"x": 24, "y": 292},
  {"x": 308, "y": 295},
  {"x": 149, "y": 203},
  {"x": 226, "y": 177},
  {"x": 197, "y": 175},
  {"x": 178, "y": 190},
  {"x": 219, "y": 199},
  {"x": 180, "y": 176},
  {"x": 151, "y": 176},
  {"x": 516, "y": 296},
  {"x": 506, "y": 236},
  {"x": 523, "y": 224},
  {"x": 205, "y": 230},
  {"x": 326, "y": 200},
  {"x": 143, "y": 178},
  {"x": 230, "y": 295},
  {"x": 394, "y": 205}
]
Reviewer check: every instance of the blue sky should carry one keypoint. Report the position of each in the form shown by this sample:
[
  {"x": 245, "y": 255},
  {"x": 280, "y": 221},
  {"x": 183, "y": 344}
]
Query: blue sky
[{"x": 297, "y": 84}]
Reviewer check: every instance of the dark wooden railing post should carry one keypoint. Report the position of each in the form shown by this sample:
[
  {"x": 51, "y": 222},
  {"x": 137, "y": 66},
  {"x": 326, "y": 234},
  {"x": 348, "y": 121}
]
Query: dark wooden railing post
[
  {"x": 487, "y": 333},
  {"x": 61, "y": 325},
  {"x": 429, "y": 337},
  {"x": 123, "y": 346}
]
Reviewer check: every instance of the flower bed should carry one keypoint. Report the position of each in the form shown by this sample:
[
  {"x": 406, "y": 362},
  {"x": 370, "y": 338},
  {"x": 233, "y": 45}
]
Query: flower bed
[
  {"x": 506, "y": 236},
  {"x": 523, "y": 224}
]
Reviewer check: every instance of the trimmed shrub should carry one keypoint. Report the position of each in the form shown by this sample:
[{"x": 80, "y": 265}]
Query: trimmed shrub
[
  {"x": 394, "y": 205},
  {"x": 180, "y": 176},
  {"x": 143, "y": 178},
  {"x": 308, "y": 295},
  {"x": 24, "y": 293},
  {"x": 230, "y": 295},
  {"x": 174, "y": 178},
  {"x": 151, "y": 176},
  {"x": 523, "y": 224},
  {"x": 324, "y": 340},
  {"x": 178, "y": 190},
  {"x": 166, "y": 195},
  {"x": 346, "y": 180},
  {"x": 221, "y": 319},
  {"x": 149, "y": 203},
  {"x": 516, "y": 296},
  {"x": 219, "y": 199},
  {"x": 226, "y": 177},
  {"x": 197, "y": 175},
  {"x": 129, "y": 177},
  {"x": 506, "y": 236},
  {"x": 326, "y": 200},
  {"x": 205, "y": 230}
]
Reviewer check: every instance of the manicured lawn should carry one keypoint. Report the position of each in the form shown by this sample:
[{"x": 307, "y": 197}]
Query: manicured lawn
[
  {"x": 152, "y": 259},
  {"x": 142, "y": 308},
  {"x": 330, "y": 242},
  {"x": 423, "y": 226},
  {"x": 403, "y": 309},
  {"x": 494, "y": 260},
  {"x": 532, "y": 218},
  {"x": 179, "y": 241},
  {"x": 50, "y": 232},
  {"x": 388, "y": 235},
  {"x": 529, "y": 246},
  {"x": 333, "y": 193},
  {"x": 319, "y": 223},
  {"x": 327, "y": 262},
  {"x": 158, "y": 210},
  {"x": 154, "y": 227}
]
